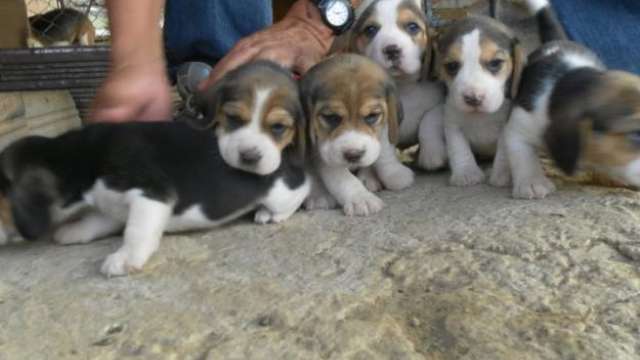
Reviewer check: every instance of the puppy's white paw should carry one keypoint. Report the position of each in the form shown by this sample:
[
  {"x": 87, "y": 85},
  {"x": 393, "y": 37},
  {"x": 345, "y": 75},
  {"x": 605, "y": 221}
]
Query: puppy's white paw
[
  {"x": 320, "y": 202},
  {"x": 72, "y": 234},
  {"x": 397, "y": 177},
  {"x": 119, "y": 264},
  {"x": 265, "y": 216},
  {"x": 4, "y": 237},
  {"x": 8, "y": 236},
  {"x": 363, "y": 204},
  {"x": 500, "y": 177},
  {"x": 370, "y": 180},
  {"x": 432, "y": 158},
  {"x": 469, "y": 176},
  {"x": 533, "y": 188}
]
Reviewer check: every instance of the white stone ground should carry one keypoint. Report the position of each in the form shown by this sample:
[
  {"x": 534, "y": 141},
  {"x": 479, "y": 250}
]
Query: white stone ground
[{"x": 441, "y": 273}]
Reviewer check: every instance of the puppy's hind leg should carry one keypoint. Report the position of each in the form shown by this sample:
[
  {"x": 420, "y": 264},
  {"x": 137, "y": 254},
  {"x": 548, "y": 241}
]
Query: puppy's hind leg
[
  {"x": 282, "y": 202},
  {"x": 91, "y": 226},
  {"x": 146, "y": 222}
]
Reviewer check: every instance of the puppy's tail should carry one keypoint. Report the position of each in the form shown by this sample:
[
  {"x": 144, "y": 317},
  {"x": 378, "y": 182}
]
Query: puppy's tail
[{"x": 549, "y": 26}]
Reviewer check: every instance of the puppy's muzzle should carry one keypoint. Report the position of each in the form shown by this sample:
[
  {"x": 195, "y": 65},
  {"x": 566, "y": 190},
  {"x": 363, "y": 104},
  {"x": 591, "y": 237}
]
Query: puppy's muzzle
[
  {"x": 392, "y": 52},
  {"x": 473, "y": 100},
  {"x": 250, "y": 157},
  {"x": 353, "y": 155}
]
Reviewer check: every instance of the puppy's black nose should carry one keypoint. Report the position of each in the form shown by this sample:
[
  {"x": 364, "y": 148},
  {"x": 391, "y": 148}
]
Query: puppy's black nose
[
  {"x": 473, "y": 100},
  {"x": 392, "y": 52},
  {"x": 353, "y": 155},
  {"x": 250, "y": 157}
]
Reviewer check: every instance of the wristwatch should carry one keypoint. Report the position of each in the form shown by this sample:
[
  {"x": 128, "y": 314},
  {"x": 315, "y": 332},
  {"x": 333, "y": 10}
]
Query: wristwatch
[{"x": 338, "y": 15}]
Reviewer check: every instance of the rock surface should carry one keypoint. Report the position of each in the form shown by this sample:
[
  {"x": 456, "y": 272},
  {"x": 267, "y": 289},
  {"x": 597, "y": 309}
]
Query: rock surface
[{"x": 441, "y": 273}]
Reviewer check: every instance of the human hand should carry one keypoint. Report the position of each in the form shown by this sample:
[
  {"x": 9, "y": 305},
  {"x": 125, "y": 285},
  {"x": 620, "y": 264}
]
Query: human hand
[
  {"x": 298, "y": 41},
  {"x": 133, "y": 92}
]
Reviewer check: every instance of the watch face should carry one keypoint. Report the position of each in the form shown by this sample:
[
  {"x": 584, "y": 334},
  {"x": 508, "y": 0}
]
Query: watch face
[{"x": 337, "y": 13}]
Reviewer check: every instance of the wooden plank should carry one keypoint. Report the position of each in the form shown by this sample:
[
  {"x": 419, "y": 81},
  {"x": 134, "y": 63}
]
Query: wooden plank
[{"x": 13, "y": 17}]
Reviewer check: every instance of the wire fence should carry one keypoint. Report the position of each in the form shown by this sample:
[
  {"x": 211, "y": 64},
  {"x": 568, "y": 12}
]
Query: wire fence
[{"x": 67, "y": 22}]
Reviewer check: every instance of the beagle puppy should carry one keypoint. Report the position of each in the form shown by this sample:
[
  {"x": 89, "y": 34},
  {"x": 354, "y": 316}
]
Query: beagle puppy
[
  {"x": 61, "y": 27},
  {"x": 150, "y": 178},
  {"x": 480, "y": 60},
  {"x": 354, "y": 113},
  {"x": 395, "y": 34},
  {"x": 584, "y": 115}
]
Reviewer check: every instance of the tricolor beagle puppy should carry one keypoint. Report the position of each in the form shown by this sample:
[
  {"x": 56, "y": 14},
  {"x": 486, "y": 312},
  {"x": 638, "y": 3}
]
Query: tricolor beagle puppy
[
  {"x": 587, "y": 116},
  {"x": 61, "y": 27},
  {"x": 353, "y": 113},
  {"x": 151, "y": 178},
  {"x": 481, "y": 62},
  {"x": 395, "y": 34}
]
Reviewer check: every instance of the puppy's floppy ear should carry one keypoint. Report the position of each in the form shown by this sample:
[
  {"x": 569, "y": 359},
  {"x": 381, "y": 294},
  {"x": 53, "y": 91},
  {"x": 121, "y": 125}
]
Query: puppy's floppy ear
[
  {"x": 206, "y": 102},
  {"x": 428, "y": 60},
  {"x": 395, "y": 110},
  {"x": 307, "y": 88},
  {"x": 519, "y": 61},
  {"x": 564, "y": 140},
  {"x": 436, "y": 57},
  {"x": 301, "y": 134},
  {"x": 31, "y": 199}
]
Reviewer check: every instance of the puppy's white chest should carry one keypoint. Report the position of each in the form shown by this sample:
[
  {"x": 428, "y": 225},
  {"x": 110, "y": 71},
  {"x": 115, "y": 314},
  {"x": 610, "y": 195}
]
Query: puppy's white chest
[{"x": 481, "y": 130}]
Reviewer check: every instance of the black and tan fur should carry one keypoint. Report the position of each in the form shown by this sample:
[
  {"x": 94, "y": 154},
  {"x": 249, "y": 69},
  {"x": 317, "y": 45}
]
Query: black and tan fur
[{"x": 61, "y": 27}]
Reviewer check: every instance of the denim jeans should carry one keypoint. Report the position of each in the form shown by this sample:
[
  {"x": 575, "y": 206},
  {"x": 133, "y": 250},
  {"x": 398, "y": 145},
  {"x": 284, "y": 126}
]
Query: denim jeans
[
  {"x": 205, "y": 30},
  {"x": 611, "y": 28}
]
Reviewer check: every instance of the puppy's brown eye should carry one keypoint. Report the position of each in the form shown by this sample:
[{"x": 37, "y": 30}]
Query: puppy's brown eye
[
  {"x": 371, "y": 31},
  {"x": 452, "y": 67},
  {"x": 412, "y": 28},
  {"x": 234, "y": 122},
  {"x": 333, "y": 120},
  {"x": 278, "y": 129},
  {"x": 372, "y": 119},
  {"x": 495, "y": 65}
]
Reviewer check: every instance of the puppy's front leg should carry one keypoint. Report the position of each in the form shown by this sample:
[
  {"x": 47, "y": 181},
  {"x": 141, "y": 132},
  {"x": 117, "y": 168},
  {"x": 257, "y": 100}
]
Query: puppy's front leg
[
  {"x": 319, "y": 198},
  {"x": 282, "y": 202},
  {"x": 529, "y": 179},
  {"x": 393, "y": 174},
  {"x": 349, "y": 191},
  {"x": 433, "y": 151},
  {"x": 464, "y": 169},
  {"x": 146, "y": 222}
]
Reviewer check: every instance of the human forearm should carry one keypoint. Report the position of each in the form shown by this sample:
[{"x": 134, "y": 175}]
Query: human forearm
[{"x": 135, "y": 31}]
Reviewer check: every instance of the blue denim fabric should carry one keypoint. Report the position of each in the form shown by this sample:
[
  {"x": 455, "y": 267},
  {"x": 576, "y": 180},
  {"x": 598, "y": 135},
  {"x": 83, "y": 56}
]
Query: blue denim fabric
[
  {"x": 205, "y": 30},
  {"x": 611, "y": 28}
]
